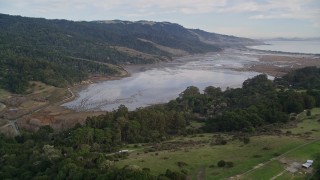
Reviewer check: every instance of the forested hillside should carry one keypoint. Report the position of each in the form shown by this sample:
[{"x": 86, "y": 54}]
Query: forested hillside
[
  {"x": 86, "y": 152},
  {"x": 61, "y": 52}
]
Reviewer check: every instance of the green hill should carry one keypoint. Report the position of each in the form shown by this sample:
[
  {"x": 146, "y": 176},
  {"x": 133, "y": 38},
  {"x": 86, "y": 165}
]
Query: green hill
[{"x": 61, "y": 52}]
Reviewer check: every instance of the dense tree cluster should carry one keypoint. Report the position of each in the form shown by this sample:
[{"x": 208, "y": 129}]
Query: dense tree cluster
[
  {"x": 259, "y": 102},
  {"x": 305, "y": 78},
  {"x": 143, "y": 125},
  {"x": 81, "y": 152}
]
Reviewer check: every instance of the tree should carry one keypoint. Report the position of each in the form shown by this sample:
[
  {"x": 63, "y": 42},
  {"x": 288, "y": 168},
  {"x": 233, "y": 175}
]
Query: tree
[
  {"x": 190, "y": 91},
  {"x": 212, "y": 91},
  {"x": 122, "y": 111},
  {"x": 259, "y": 83},
  {"x": 121, "y": 125},
  {"x": 44, "y": 133},
  {"x": 309, "y": 102}
]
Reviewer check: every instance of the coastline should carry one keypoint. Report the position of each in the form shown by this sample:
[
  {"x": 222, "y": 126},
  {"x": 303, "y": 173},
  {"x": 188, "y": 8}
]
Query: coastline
[{"x": 61, "y": 118}]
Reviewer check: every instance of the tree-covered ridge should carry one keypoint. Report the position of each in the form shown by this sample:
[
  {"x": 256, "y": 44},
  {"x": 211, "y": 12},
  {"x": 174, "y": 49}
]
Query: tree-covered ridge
[
  {"x": 52, "y": 51},
  {"x": 61, "y": 46}
]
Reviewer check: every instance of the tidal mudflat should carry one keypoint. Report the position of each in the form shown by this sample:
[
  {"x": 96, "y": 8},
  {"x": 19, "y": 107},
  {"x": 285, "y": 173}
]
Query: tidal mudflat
[{"x": 163, "y": 82}]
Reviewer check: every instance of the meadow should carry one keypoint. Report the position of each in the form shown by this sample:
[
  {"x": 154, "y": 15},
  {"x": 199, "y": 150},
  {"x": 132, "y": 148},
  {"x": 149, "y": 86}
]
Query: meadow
[{"x": 259, "y": 159}]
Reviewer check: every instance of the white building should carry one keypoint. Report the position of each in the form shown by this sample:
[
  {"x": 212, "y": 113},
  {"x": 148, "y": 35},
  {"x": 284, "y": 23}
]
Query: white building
[{"x": 307, "y": 164}]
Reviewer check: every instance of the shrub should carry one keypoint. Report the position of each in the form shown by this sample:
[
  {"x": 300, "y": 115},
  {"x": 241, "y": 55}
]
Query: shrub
[
  {"x": 266, "y": 148},
  {"x": 221, "y": 163},
  {"x": 219, "y": 141},
  {"x": 146, "y": 169},
  {"x": 229, "y": 164},
  {"x": 257, "y": 156},
  {"x": 308, "y": 112},
  {"x": 246, "y": 140},
  {"x": 184, "y": 171},
  {"x": 181, "y": 164},
  {"x": 276, "y": 154},
  {"x": 292, "y": 118},
  {"x": 174, "y": 175}
]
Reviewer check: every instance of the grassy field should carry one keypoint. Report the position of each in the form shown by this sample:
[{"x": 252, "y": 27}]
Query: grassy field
[
  {"x": 262, "y": 150},
  {"x": 267, "y": 172},
  {"x": 300, "y": 155},
  {"x": 304, "y": 153},
  {"x": 288, "y": 175},
  {"x": 3, "y": 94},
  {"x": 310, "y": 125},
  {"x": 50, "y": 93},
  {"x": 275, "y": 166},
  {"x": 205, "y": 156}
]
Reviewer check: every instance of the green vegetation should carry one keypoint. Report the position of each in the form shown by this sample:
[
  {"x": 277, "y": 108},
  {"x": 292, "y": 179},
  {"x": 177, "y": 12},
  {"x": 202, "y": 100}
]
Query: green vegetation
[
  {"x": 3, "y": 94},
  {"x": 305, "y": 78},
  {"x": 306, "y": 152},
  {"x": 166, "y": 143},
  {"x": 309, "y": 125},
  {"x": 204, "y": 155},
  {"x": 316, "y": 174},
  {"x": 310, "y": 150},
  {"x": 267, "y": 172},
  {"x": 275, "y": 167},
  {"x": 60, "y": 52}
]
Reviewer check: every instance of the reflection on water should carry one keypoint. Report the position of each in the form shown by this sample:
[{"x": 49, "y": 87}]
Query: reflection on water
[{"x": 161, "y": 84}]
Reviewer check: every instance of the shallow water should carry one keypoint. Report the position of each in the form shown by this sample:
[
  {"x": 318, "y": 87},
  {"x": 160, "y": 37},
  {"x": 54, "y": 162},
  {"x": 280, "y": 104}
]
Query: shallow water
[
  {"x": 165, "y": 82},
  {"x": 307, "y": 47}
]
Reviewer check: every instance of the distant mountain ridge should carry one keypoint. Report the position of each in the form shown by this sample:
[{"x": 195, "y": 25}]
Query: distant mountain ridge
[
  {"x": 179, "y": 31},
  {"x": 62, "y": 52},
  {"x": 292, "y": 39}
]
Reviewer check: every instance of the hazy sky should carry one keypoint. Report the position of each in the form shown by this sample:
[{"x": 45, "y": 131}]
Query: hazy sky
[{"x": 248, "y": 18}]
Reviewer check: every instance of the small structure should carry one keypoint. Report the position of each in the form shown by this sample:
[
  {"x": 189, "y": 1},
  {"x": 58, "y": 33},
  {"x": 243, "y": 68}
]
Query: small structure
[
  {"x": 123, "y": 151},
  {"x": 307, "y": 164}
]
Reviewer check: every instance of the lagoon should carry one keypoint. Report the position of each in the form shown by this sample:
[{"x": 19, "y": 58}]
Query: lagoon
[{"x": 154, "y": 84}]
